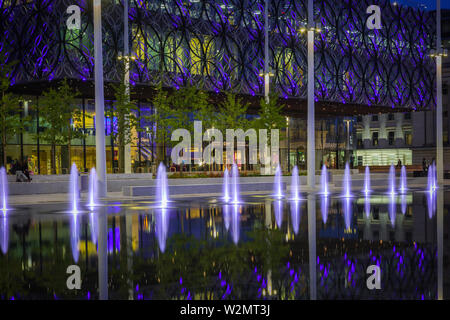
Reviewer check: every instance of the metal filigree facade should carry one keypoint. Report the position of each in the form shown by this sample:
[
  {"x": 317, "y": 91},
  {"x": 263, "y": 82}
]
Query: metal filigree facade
[{"x": 218, "y": 45}]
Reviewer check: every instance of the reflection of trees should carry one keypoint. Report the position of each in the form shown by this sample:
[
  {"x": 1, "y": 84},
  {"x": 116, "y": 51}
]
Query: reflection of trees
[{"x": 201, "y": 269}]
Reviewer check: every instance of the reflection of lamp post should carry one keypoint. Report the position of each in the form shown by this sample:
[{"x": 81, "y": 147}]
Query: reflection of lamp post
[
  {"x": 288, "y": 144},
  {"x": 100, "y": 152}
]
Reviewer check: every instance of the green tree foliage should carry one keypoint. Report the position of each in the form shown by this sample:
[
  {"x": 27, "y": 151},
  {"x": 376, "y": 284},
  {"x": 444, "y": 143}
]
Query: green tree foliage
[
  {"x": 61, "y": 119},
  {"x": 232, "y": 113},
  {"x": 11, "y": 122},
  {"x": 270, "y": 114}
]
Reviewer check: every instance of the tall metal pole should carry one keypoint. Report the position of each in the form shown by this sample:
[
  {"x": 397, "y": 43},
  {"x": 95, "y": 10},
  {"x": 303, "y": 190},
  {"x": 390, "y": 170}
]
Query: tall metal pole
[
  {"x": 266, "y": 51},
  {"x": 100, "y": 152},
  {"x": 126, "y": 53},
  {"x": 439, "y": 137},
  {"x": 310, "y": 125}
]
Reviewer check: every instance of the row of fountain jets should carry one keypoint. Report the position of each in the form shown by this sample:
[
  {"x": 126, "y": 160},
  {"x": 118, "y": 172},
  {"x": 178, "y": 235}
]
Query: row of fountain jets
[{"x": 231, "y": 193}]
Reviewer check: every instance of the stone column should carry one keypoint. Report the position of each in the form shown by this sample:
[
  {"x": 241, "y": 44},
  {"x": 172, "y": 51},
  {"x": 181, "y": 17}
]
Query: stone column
[
  {"x": 382, "y": 135},
  {"x": 399, "y": 136},
  {"x": 367, "y": 139}
]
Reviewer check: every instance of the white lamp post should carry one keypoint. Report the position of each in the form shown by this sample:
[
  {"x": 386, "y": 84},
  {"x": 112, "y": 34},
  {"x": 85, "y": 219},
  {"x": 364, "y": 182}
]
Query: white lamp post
[{"x": 100, "y": 152}]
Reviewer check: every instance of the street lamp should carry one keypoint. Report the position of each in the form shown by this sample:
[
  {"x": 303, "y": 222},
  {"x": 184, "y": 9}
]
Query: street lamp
[
  {"x": 100, "y": 152},
  {"x": 439, "y": 53}
]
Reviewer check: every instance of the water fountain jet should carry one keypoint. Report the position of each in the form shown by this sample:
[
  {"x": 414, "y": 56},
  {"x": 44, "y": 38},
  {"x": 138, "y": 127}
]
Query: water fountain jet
[
  {"x": 235, "y": 184},
  {"x": 226, "y": 186},
  {"x": 347, "y": 182},
  {"x": 162, "y": 186},
  {"x": 324, "y": 180},
  {"x": 92, "y": 192},
  {"x": 74, "y": 188},
  {"x": 277, "y": 183},
  {"x": 403, "y": 182},
  {"x": 367, "y": 181},
  {"x": 392, "y": 180},
  {"x": 3, "y": 190}
]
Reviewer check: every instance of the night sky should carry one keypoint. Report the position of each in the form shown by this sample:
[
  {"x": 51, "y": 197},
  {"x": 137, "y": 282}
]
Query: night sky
[{"x": 431, "y": 4}]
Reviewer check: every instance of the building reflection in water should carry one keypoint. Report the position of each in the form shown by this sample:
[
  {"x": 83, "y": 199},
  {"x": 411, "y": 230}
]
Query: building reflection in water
[{"x": 328, "y": 264}]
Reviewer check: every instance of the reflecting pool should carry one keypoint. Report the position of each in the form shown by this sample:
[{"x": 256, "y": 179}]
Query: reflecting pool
[{"x": 317, "y": 246}]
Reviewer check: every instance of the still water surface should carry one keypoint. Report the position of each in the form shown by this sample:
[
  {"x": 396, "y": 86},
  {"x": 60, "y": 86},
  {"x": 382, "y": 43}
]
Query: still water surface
[{"x": 263, "y": 248}]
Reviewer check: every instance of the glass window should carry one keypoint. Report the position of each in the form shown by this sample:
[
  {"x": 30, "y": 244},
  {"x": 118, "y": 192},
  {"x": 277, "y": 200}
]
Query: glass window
[{"x": 375, "y": 138}]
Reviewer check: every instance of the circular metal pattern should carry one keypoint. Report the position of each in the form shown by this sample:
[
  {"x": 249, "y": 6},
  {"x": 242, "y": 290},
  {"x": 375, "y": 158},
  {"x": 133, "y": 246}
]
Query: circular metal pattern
[{"x": 219, "y": 45}]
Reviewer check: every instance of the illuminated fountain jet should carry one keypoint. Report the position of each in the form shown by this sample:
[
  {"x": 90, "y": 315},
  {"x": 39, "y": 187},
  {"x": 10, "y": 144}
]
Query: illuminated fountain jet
[
  {"x": 162, "y": 187},
  {"x": 432, "y": 186},
  {"x": 392, "y": 180},
  {"x": 74, "y": 189},
  {"x": 403, "y": 182},
  {"x": 93, "y": 224},
  {"x": 324, "y": 208},
  {"x": 324, "y": 181},
  {"x": 278, "y": 192},
  {"x": 235, "y": 184},
  {"x": 347, "y": 183},
  {"x": 226, "y": 186},
  {"x": 92, "y": 192},
  {"x": 3, "y": 190},
  {"x": 392, "y": 195},
  {"x": 367, "y": 181}
]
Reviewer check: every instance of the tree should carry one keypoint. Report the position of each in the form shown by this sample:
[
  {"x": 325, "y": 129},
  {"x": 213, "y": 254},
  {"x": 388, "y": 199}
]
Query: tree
[
  {"x": 232, "y": 114},
  {"x": 124, "y": 112},
  {"x": 61, "y": 118},
  {"x": 11, "y": 122},
  {"x": 270, "y": 116},
  {"x": 165, "y": 119}
]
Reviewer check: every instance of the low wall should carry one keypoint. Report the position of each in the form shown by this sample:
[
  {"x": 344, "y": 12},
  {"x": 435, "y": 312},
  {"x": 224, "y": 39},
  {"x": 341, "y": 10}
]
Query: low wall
[
  {"x": 198, "y": 189},
  {"x": 47, "y": 184}
]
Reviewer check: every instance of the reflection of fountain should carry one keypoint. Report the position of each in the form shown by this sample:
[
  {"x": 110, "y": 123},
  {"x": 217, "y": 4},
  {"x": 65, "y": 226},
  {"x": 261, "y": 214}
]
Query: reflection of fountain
[
  {"x": 277, "y": 183},
  {"x": 431, "y": 203},
  {"x": 3, "y": 190},
  {"x": 367, "y": 205},
  {"x": 226, "y": 216},
  {"x": 226, "y": 186},
  {"x": 235, "y": 222},
  {"x": 278, "y": 206},
  {"x": 324, "y": 180},
  {"x": 392, "y": 180},
  {"x": 392, "y": 208},
  {"x": 93, "y": 223},
  {"x": 367, "y": 181},
  {"x": 403, "y": 203},
  {"x": 295, "y": 215},
  {"x": 4, "y": 233},
  {"x": 162, "y": 186},
  {"x": 295, "y": 185},
  {"x": 235, "y": 184},
  {"x": 347, "y": 203},
  {"x": 324, "y": 208},
  {"x": 92, "y": 188},
  {"x": 162, "y": 227},
  {"x": 403, "y": 182},
  {"x": 347, "y": 182},
  {"x": 75, "y": 236},
  {"x": 74, "y": 190}
]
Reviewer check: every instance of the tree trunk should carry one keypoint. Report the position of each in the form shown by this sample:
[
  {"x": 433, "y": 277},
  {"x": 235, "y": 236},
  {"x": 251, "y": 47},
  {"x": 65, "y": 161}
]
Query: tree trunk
[
  {"x": 53, "y": 158},
  {"x": 121, "y": 151}
]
